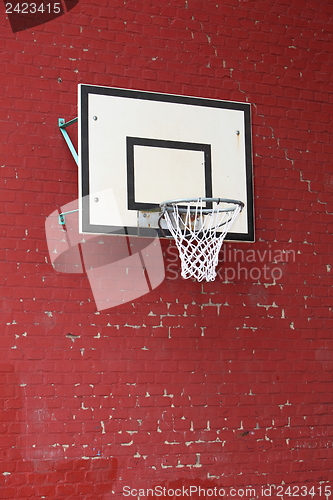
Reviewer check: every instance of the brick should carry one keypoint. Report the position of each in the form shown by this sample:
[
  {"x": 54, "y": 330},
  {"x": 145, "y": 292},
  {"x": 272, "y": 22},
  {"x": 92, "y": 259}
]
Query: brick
[{"x": 224, "y": 359}]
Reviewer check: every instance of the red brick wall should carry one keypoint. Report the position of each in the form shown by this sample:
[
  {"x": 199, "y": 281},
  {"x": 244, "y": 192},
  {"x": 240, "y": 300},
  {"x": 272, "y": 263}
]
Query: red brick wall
[{"x": 223, "y": 384}]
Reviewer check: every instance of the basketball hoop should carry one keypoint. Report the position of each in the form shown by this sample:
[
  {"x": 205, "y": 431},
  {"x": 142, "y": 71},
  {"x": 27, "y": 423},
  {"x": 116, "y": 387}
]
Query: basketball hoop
[{"x": 199, "y": 226}]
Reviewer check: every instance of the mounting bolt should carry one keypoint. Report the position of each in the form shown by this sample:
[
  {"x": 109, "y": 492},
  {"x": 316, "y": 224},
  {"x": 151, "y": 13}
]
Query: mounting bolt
[
  {"x": 95, "y": 118},
  {"x": 237, "y": 132},
  {"x": 96, "y": 200}
]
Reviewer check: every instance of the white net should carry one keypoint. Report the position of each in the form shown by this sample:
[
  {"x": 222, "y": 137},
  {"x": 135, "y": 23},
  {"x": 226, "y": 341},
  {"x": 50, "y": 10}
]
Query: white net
[{"x": 199, "y": 232}]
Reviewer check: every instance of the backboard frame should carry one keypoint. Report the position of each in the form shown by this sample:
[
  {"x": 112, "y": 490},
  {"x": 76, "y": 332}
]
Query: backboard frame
[{"x": 85, "y": 190}]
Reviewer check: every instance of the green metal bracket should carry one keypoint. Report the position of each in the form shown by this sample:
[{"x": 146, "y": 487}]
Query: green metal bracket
[
  {"x": 62, "y": 125},
  {"x": 62, "y": 216}
]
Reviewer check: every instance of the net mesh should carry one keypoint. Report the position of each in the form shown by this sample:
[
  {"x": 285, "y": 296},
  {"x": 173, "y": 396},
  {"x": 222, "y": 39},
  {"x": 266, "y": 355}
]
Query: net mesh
[{"x": 199, "y": 233}]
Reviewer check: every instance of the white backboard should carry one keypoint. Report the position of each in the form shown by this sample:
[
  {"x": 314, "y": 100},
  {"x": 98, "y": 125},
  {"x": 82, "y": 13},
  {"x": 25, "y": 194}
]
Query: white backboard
[{"x": 138, "y": 149}]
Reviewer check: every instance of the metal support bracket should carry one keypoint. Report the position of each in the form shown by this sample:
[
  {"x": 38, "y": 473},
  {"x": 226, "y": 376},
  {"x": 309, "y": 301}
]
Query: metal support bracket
[
  {"x": 62, "y": 216},
  {"x": 62, "y": 125}
]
